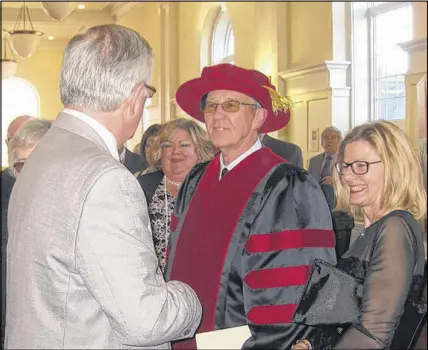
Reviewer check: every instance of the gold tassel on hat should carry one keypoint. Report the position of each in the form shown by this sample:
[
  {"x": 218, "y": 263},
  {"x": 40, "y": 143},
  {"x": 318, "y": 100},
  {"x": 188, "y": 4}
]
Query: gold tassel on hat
[{"x": 279, "y": 103}]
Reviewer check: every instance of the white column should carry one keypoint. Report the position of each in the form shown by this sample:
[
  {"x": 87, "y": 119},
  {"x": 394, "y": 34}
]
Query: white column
[
  {"x": 162, "y": 90},
  {"x": 321, "y": 98},
  {"x": 340, "y": 93}
]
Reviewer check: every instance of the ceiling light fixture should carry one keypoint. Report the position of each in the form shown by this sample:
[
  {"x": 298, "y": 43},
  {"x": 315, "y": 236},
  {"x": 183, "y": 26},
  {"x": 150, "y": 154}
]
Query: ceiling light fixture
[
  {"x": 81, "y": 6},
  {"x": 24, "y": 42},
  {"x": 58, "y": 10},
  {"x": 50, "y": 37},
  {"x": 8, "y": 66}
]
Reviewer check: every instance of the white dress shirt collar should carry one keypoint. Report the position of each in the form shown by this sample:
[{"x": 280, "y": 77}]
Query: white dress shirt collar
[
  {"x": 100, "y": 129},
  {"x": 252, "y": 149},
  {"x": 122, "y": 155}
]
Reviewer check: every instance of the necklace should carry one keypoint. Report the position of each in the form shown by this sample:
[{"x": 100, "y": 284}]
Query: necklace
[{"x": 176, "y": 184}]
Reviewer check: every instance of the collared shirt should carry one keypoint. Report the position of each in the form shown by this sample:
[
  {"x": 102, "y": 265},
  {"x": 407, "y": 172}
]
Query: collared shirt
[
  {"x": 324, "y": 159},
  {"x": 100, "y": 129},
  {"x": 252, "y": 149},
  {"x": 122, "y": 155}
]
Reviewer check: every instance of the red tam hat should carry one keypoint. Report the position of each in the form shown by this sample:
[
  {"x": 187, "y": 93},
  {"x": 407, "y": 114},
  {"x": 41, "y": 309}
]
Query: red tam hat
[{"x": 230, "y": 77}]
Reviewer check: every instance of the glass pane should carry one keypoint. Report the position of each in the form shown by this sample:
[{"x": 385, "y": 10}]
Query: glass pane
[
  {"x": 391, "y": 62},
  {"x": 231, "y": 43},
  {"x": 401, "y": 114},
  {"x": 223, "y": 39}
]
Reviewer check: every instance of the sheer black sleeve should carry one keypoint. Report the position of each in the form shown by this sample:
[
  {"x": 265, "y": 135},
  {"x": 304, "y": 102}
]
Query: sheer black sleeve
[{"x": 386, "y": 286}]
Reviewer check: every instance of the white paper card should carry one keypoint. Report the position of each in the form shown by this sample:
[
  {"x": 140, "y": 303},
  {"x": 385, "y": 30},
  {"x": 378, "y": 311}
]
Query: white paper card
[{"x": 229, "y": 338}]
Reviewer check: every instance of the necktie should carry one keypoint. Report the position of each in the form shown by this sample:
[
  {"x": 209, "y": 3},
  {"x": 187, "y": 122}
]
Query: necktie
[
  {"x": 326, "y": 170},
  {"x": 224, "y": 172}
]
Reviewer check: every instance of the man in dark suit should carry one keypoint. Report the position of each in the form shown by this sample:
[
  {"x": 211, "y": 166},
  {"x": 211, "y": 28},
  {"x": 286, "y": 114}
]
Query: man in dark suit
[
  {"x": 321, "y": 166},
  {"x": 286, "y": 150},
  {"x": 132, "y": 161}
]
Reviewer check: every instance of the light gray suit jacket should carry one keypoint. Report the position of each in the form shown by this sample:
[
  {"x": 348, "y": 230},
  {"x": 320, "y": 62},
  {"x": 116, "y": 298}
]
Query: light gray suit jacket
[
  {"x": 82, "y": 269},
  {"x": 315, "y": 166}
]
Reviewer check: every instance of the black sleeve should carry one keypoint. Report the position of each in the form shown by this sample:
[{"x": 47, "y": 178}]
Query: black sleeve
[
  {"x": 386, "y": 287},
  {"x": 288, "y": 233},
  {"x": 149, "y": 183}
]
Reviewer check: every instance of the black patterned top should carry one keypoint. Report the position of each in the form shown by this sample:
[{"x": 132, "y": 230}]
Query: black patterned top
[{"x": 160, "y": 221}]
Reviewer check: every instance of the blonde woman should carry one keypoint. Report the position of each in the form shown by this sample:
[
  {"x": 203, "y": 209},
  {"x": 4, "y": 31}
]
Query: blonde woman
[
  {"x": 179, "y": 145},
  {"x": 378, "y": 177}
]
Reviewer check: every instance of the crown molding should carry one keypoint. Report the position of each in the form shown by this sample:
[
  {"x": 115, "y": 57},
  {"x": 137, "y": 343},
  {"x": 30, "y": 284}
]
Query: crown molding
[
  {"x": 328, "y": 76},
  {"x": 301, "y": 72},
  {"x": 414, "y": 45},
  {"x": 52, "y": 45},
  {"x": 121, "y": 9},
  {"x": 310, "y": 70},
  {"x": 39, "y": 17}
]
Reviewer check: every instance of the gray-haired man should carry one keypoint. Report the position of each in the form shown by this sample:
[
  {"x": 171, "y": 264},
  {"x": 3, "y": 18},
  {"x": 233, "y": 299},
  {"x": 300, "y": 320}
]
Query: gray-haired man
[
  {"x": 83, "y": 272},
  {"x": 322, "y": 164}
]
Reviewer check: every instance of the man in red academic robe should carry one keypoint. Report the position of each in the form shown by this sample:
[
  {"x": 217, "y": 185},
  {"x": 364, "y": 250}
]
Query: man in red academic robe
[{"x": 247, "y": 225}]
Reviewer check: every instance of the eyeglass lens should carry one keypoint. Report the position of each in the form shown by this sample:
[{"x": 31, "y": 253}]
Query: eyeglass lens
[
  {"x": 358, "y": 168},
  {"x": 228, "y": 106}
]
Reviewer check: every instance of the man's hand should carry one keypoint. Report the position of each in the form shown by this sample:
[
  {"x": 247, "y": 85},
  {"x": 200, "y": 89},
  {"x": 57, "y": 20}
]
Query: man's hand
[{"x": 327, "y": 180}]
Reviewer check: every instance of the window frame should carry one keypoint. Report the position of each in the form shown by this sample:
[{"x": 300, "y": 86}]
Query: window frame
[
  {"x": 228, "y": 32},
  {"x": 372, "y": 12}
]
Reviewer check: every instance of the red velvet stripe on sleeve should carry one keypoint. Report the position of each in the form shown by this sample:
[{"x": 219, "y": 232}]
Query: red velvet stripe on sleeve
[
  {"x": 278, "y": 277},
  {"x": 271, "y": 314},
  {"x": 290, "y": 239}
]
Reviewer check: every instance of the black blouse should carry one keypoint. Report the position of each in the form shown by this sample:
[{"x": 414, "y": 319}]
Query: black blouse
[{"x": 389, "y": 257}]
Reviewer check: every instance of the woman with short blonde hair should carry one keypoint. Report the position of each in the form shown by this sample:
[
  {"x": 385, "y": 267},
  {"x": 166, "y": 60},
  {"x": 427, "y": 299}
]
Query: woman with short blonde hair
[
  {"x": 198, "y": 135},
  {"x": 179, "y": 145}
]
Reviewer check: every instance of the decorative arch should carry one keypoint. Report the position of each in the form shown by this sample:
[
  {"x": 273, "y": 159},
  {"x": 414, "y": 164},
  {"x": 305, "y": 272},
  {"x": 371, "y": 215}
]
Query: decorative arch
[
  {"x": 19, "y": 97},
  {"x": 218, "y": 40}
]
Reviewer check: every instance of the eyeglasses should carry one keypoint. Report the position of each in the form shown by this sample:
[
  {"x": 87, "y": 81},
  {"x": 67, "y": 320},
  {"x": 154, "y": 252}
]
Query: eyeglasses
[
  {"x": 19, "y": 165},
  {"x": 151, "y": 89},
  {"x": 228, "y": 106},
  {"x": 358, "y": 167}
]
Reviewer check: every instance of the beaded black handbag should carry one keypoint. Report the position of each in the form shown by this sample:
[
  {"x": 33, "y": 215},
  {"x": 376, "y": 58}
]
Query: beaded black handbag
[{"x": 333, "y": 298}]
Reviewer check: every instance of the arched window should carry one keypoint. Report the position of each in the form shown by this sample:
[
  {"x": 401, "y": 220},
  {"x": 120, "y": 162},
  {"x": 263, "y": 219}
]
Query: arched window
[
  {"x": 223, "y": 40},
  {"x": 18, "y": 97}
]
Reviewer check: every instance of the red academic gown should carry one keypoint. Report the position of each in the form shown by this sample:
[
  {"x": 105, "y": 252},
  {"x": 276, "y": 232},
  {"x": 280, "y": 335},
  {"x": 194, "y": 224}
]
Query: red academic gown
[{"x": 245, "y": 244}]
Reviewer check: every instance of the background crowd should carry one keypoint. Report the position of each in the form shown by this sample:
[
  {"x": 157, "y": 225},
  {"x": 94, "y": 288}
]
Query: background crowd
[{"x": 209, "y": 224}]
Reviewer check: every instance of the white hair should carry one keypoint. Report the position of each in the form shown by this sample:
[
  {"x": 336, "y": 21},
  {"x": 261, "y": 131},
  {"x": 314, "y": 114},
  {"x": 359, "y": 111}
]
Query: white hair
[
  {"x": 101, "y": 67},
  {"x": 27, "y": 136},
  {"x": 332, "y": 129}
]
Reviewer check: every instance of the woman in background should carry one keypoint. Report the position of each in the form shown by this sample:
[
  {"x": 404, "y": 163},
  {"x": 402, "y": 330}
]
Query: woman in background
[
  {"x": 146, "y": 144},
  {"x": 378, "y": 177},
  {"x": 179, "y": 145}
]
